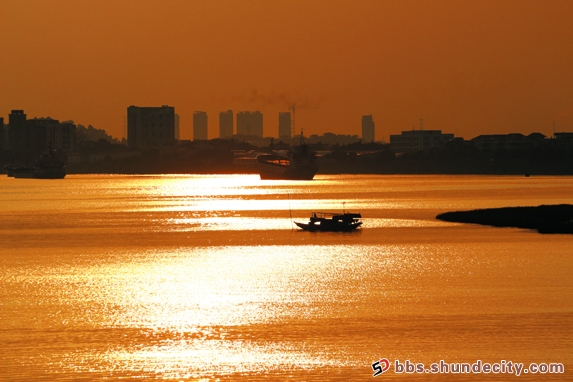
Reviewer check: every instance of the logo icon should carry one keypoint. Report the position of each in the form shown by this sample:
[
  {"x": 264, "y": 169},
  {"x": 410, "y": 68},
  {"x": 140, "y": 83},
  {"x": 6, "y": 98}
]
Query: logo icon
[{"x": 380, "y": 367}]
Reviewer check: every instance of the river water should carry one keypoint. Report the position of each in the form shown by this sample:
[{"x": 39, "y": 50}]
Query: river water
[{"x": 205, "y": 278}]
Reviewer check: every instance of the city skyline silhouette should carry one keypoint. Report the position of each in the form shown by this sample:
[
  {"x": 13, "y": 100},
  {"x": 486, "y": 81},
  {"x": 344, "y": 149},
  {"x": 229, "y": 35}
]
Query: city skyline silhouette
[{"x": 468, "y": 68}]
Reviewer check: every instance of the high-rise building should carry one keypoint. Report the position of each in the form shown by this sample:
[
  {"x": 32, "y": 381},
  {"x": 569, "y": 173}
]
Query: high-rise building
[
  {"x": 285, "y": 125},
  {"x": 35, "y": 136},
  {"x": 226, "y": 124},
  {"x": 150, "y": 127},
  {"x": 42, "y": 134},
  {"x": 2, "y": 134},
  {"x": 200, "y": 126},
  {"x": 250, "y": 123},
  {"x": 367, "y": 128},
  {"x": 17, "y": 131},
  {"x": 177, "y": 131},
  {"x": 48, "y": 133}
]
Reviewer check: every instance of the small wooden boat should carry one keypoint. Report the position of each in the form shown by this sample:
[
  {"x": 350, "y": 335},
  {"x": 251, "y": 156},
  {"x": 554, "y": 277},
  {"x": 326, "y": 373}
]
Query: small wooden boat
[{"x": 331, "y": 222}]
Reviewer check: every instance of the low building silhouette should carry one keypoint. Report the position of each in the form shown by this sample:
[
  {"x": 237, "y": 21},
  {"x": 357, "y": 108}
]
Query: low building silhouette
[
  {"x": 31, "y": 137},
  {"x": 418, "y": 141},
  {"x": 513, "y": 141},
  {"x": 564, "y": 139}
]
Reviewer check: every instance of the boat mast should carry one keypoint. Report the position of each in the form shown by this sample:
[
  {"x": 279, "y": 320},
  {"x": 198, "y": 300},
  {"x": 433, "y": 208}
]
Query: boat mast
[{"x": 290, "y": 212}]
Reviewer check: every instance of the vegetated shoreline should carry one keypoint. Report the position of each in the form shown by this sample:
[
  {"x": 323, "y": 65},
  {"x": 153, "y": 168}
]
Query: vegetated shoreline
[{"x": 544, "y": 218}]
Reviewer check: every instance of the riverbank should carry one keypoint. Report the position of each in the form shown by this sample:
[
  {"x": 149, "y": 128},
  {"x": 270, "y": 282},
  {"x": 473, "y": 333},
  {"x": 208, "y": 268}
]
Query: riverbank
[{"x": 544, "y": 218}]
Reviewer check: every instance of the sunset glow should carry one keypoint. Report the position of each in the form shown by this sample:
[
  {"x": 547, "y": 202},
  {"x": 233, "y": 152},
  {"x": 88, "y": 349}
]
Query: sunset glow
[
  {"x": 465, "y": 67},
  {"x": 255, "y": 190}
]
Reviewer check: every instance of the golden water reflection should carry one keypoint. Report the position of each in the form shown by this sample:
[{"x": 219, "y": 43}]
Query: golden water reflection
[
  {"x": 196, "y": 312},
  {"x": 238, "y": 223},
  {"x": 199, "y": 277}
]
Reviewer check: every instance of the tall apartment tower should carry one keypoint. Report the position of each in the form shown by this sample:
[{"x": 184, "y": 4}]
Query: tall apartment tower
[
  {"x": 177, "y": 131},
  {"x": 200, "y": 126},
  {"x": 150, "y": 127},
  {"x": 2, "y": 134},
  {"x": 226, "y": 124},
  {"x": 17, "y": 131},
  {"x": 367, "y": 128},
  {"x": 34, "y": 136},
  {"x": 250, "y": 123},
  {"x": 285, "y": 128}
]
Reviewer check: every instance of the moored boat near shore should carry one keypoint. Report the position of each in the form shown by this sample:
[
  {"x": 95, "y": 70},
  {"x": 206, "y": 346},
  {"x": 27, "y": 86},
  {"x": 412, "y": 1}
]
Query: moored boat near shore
[
  {"x": 17, "y": 171},
  {"x": 48, "y": 166},
  {"x": 299, "y": 164}
]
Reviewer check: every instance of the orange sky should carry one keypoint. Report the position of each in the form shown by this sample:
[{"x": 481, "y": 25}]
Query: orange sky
[{"x": 466, "y": 67}]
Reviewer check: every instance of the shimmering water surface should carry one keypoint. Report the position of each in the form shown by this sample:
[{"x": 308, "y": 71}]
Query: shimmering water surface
[{"x": 204, "y": 277}]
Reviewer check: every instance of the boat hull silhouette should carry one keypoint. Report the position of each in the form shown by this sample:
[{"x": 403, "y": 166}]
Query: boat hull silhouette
[
  {"x": 278, "y": 167},
  {"x": 299, "y": 164},
  {"x": 47, "y": 167},
  {"x": 330, "y": 222}
]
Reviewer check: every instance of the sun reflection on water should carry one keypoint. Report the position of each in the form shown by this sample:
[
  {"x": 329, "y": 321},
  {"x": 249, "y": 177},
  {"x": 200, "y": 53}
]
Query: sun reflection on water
[
  {"x": 192, "y": 313},
  {"x": 184, "y": 277},
  {"x": 215, "y": 311},
  {"x": 195, "y": 359}
]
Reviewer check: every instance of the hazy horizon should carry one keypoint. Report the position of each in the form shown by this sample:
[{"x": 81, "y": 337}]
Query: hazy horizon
[{"x": 467, "y": 68}]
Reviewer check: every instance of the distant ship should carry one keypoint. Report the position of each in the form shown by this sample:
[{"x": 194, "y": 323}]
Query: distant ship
[
  {"x": 299, "y": 164},
  {"x": 48, "y": 166},
  {"x": 22, "y": 172},
  {"x": 12, "y": 169}
]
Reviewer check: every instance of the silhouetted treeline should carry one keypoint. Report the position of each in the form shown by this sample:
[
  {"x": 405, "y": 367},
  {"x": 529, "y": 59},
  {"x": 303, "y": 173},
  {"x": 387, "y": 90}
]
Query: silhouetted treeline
[
  {"x": 549, "y": 160},
  {"x": 199, "y": 157},
  {"x": 216, "y": 156},
  {"x": 219, "y": 156},
  {"x": 92, "y": 134}
]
